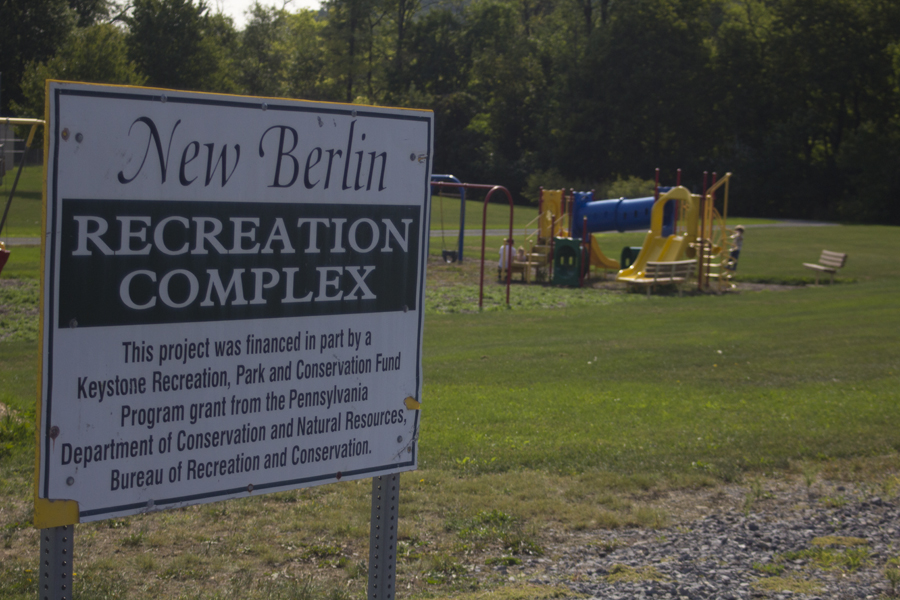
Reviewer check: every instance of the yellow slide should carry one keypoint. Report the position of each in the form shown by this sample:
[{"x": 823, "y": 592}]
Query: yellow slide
[
  {"x": 658, "y": 248},
  {"x": 598, "y": 259}
]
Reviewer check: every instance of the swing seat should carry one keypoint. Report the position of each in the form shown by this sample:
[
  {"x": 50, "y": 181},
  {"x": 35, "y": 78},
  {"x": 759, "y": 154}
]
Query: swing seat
[
  {"x": 4, "y": 256},
  {"x": 449, "y": 256}
]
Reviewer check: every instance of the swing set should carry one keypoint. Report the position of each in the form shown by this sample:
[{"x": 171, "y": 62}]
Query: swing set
[
  {"x": 4, "y": 252},
  {"x": 451, "y": 256},
  {"x": 449, "y": 181}
]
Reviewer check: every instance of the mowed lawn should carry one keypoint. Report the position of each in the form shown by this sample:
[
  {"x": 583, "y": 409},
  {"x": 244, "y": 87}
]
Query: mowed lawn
[
  {"x": 571, "y": 410},
  {"x": 667, "y": 384}
]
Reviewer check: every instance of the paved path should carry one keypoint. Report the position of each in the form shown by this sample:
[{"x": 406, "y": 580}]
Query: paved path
[
  {"x": 451, "y": 233},
  {"x": 20, "y": 241}
]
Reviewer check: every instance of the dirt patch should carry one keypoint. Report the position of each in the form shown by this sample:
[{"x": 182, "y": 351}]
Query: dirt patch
[
  {"x": 441, "y": 274},
  {"x": 15, "y": 284}
]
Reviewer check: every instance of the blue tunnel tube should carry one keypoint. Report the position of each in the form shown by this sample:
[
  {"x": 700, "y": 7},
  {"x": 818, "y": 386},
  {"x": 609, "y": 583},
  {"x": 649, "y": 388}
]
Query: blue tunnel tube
[{"x": 624, "y": 214}]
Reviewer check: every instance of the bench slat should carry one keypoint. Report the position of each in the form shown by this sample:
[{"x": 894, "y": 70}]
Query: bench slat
[
  {"x": 662, "y": 273},
  {"x": 837, "y": 264},
  {"x": 828, "y": 257},
  {"x": 819, "y": 267}
]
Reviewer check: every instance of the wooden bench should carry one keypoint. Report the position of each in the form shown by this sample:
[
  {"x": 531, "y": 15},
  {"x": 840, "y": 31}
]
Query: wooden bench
[
  {"x": 829, "y": 262},
  {"x": 521, "y": 267},
  {"x": 532, "y": 262},
  {"x": 664, "y": 273}
]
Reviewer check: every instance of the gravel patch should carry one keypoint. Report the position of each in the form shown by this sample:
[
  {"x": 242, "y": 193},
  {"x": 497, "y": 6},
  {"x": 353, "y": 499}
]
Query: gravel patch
[{"x": 830, "y": 541}]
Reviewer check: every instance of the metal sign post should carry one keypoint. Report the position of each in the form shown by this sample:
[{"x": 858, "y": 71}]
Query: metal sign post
[
  {"x": 57, "y": 548},
  {"x": 383, "y": 537}
]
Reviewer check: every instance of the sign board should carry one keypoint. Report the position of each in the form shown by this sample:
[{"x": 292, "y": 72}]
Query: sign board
[{"x": 232, "y": 298}]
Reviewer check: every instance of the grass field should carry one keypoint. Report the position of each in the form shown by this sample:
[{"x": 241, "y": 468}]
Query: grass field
[{"x": 574, "y": 410}]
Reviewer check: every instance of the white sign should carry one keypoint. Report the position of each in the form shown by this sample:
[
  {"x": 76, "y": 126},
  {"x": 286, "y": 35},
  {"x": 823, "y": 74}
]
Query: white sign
[{"x": 233, "y": 294}]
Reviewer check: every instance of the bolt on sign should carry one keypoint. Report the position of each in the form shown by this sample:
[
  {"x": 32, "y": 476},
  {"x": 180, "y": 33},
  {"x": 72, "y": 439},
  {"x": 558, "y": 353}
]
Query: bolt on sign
[{"x": 232, "y": 297}]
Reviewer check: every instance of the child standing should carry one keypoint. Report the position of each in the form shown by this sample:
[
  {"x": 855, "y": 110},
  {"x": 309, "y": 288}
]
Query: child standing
[
  {"x": 507, "y": 254},
  {"x": 737, "y": 242}
]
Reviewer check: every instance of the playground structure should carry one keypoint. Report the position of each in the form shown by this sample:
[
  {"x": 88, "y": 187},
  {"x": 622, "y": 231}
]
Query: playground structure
[
  {"x": 563, "y": 247},
  {"x": 681, "y": 226}
]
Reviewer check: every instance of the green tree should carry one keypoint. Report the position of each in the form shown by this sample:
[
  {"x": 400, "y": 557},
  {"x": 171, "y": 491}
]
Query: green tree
[
  {"x": 639, "y": 96},
  {"x": 95, "y": 54},
  {"x": 401, "y": 13},
  {"x": 221, "y": 42},
  {"x": 809, "y": 105},
  {"x": 176, "y": 44},
  {"x": 438, "y": 59},
  {"x": 656, "y": 78},
  {"x": 354, "y": 49},
  {"x": 436, "y": 77},
  {"x": 90, "y": 12},
  {"x": 507, "y": 78},
  {"x": 282, "y": 54},
  {"x": 30, "y": 31},
  {"x": 305, "y": 59},
  {"x": 834, "y": 73},
  {"x": 870, "y": 153},
  {"x": 262, "y": 51}
]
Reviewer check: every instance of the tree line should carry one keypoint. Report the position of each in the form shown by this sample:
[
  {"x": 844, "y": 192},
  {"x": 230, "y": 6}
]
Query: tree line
[{"x": 800, "y": 99}]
